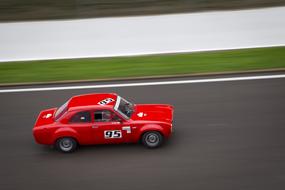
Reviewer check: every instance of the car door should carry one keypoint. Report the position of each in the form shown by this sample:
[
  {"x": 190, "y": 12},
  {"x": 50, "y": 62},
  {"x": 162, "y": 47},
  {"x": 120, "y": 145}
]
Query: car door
[{"x": 108, "y": 128}]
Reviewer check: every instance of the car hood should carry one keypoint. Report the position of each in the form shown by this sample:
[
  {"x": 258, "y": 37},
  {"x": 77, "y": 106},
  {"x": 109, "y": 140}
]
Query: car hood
[
  {"x": 153, "y": 112},
  {"x": 46, "y": 117}
]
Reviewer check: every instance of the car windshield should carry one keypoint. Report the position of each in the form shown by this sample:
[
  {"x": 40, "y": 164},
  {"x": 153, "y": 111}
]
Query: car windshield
[
  {"x": 124, "y": 107},
  {"x": 60, "y": 111}
]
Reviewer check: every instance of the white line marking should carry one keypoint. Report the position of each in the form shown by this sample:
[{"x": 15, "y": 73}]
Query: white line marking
[{"x": 145, "y": 83}]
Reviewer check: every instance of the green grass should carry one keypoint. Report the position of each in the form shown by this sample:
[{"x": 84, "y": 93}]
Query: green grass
[{"x": 142, "y": 66}]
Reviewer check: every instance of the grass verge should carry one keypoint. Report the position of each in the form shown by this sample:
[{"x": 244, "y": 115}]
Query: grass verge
[{"x": 142, "y": 66}]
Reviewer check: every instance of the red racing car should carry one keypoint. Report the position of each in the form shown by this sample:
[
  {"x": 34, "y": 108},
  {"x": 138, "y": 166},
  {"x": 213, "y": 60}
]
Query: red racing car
[{"x": 103, "y": 119}]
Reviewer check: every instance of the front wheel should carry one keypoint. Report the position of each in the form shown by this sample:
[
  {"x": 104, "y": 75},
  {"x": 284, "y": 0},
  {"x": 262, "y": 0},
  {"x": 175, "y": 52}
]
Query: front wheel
[
  {"x": 152, "y": 139},
  {"x": 66, "y": 144}
]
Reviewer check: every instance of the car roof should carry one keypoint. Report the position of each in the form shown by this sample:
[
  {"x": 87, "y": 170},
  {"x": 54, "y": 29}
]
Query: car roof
[{"x": 94, "y": 100}]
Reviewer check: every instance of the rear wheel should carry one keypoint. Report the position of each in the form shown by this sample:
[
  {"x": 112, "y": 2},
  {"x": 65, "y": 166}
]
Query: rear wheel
[
  {"x": 152, "y": 139},
  {"x": 66, "y": 144}
]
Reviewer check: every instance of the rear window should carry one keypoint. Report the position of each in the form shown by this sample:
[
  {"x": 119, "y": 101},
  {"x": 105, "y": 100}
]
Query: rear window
[
  {"x": 81, "y": 117},
  {"x": 60, "y": 111}
]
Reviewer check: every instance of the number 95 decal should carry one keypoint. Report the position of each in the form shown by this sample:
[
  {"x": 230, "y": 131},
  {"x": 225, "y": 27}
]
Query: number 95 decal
[{"x": 113, "y": 134}]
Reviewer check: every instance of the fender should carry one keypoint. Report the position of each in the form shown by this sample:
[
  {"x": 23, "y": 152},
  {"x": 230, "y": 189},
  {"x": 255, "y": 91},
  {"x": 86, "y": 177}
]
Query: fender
[
  {"x": 151, "y": 127},
  {"x": 65, "y": 132}
]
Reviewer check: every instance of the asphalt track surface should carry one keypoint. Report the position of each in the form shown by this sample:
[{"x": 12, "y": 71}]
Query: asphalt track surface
[{"x": 228, "y": 135}]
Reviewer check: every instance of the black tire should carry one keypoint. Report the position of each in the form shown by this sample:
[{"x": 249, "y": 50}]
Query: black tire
[
  {"x": 152, "y": 139},
  {"x": 66, "y": 144}
]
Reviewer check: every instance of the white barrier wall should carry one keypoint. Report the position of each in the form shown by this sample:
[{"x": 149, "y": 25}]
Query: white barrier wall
[{"x": 139, "y": 35}]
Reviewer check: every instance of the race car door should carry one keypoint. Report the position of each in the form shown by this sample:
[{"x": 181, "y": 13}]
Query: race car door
[{"x": 108, "y": 128}]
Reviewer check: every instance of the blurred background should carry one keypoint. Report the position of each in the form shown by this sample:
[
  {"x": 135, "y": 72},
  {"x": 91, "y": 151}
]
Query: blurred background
[
  {"x": 207, "y": 36},
  {"x": 15, "y": 10}
]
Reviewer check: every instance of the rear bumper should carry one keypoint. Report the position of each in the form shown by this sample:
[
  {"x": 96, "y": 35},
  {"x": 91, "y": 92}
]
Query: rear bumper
[{"x": 41, "y": 136}]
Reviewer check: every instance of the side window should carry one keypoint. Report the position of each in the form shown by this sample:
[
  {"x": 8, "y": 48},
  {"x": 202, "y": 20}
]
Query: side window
[
  {"x": 105, "y": 116},
  {"x": 81, "y": 117}
]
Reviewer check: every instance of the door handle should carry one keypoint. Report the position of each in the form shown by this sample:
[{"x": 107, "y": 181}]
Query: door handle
[{"x": 94, "y": 126}]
